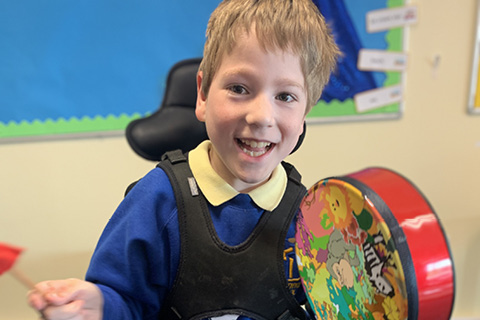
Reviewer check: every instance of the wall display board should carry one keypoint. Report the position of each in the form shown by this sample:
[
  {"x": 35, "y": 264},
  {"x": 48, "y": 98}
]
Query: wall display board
[
  {"x": 474, "y": 97},
  {"x": 90, "y": 67},
  {"x": 369, "y": 81}
]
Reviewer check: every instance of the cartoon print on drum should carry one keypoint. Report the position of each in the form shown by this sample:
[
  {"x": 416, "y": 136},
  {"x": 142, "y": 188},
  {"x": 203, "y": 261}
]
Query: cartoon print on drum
[
  {"x": 347, "y": 259},
  {"x": 375, "y": 264}
]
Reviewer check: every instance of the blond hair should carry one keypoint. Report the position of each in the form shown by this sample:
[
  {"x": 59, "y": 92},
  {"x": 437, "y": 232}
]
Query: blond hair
[{"x": 295, "y": 25}]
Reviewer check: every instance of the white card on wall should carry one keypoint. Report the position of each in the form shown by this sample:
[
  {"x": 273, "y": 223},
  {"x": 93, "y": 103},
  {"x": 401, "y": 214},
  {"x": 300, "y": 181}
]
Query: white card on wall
[
  {"x": 381, "y": 60},
  {"x": 384, "y": 19},
  {"x": 372, "y": 99}
]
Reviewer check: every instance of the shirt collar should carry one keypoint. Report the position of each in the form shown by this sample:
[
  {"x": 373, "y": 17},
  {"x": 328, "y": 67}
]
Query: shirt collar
[{"x": 218, "y": 191}]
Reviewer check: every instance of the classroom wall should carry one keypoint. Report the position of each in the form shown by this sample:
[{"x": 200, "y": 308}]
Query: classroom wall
[{"x": 56, "y": 196}]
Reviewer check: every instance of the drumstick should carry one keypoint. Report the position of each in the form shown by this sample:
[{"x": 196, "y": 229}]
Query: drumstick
[
  {"x": 8, "y": 257},
  {"x": 21, "y": 277}
]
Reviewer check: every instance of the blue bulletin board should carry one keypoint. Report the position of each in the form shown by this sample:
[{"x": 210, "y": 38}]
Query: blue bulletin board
[{"x": 91, "y": 66}]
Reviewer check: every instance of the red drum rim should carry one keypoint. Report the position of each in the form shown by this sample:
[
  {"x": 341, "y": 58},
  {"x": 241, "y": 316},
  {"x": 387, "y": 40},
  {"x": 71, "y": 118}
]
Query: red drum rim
[{"x": 406, "y": 222}]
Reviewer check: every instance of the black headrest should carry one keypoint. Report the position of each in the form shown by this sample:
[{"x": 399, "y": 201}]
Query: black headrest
[{"x": 174, "y": 125}]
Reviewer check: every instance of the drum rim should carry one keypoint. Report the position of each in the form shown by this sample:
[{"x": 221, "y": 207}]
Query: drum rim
[
  {"x": 440, "y": 225},
  {"x": 396, "y": 233}
]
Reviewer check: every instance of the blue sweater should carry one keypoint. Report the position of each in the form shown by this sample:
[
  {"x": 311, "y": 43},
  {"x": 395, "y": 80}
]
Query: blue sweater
[{"x": 137, "y": 256}]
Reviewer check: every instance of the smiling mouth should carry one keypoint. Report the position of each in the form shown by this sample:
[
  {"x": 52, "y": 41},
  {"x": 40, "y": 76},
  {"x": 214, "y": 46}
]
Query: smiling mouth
[{"x": 254, "y": 148}]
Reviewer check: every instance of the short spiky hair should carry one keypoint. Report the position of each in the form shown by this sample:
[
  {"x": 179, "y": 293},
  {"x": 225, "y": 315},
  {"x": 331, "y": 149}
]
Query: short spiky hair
[{"x": 295, "y": 25}]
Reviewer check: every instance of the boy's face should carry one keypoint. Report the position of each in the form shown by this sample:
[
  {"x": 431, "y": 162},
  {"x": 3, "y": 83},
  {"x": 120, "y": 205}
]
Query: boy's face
[{"x": 254, "y": 112}]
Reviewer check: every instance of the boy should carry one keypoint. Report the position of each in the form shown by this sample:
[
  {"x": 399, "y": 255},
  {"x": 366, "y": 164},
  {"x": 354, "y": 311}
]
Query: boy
[{"x": 265, "y": 64}]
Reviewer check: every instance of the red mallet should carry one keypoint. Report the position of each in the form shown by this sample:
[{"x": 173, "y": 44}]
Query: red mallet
[{"x": 8, "y": 256}]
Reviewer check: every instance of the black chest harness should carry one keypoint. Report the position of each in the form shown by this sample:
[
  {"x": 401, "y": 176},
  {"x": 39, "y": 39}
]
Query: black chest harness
[{"x": 214, "y": 279}]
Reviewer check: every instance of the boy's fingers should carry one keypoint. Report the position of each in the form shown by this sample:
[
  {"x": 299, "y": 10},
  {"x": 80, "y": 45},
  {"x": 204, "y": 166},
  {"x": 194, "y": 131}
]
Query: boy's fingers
[
  {"x": 70, "y": 311},
  {"x": 58, "y": 292},
  {"x": 37, "y": 296},
  {"x": 36, "y": 300},
  {"x": 65, "y": 299}
]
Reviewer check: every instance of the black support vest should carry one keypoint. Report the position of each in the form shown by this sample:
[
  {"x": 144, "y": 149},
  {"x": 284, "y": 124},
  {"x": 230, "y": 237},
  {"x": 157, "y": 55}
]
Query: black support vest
[{"x": 211, "y": 279}]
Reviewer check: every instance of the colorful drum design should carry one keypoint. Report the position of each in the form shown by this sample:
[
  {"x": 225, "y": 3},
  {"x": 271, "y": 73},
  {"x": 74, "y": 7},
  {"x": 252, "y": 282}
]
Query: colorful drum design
[{"x": 370, "y": 246}]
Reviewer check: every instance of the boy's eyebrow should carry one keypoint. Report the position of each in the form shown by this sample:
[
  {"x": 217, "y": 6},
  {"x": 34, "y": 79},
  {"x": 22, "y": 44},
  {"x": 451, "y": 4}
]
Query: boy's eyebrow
[
  {"x": 237, "y": 71},
  {"x": 290, "y": 82},
  {"x": 247, "y": 73}
]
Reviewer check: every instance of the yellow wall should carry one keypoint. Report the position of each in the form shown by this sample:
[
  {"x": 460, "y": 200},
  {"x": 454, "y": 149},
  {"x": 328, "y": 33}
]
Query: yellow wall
[{"x": 56, "y": 196}]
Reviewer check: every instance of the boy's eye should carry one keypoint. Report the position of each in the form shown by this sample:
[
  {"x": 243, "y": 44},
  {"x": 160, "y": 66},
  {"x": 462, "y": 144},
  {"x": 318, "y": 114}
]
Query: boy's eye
[
  {"x": 286, "y": 97},
  {"x": 237, "y": 89}
]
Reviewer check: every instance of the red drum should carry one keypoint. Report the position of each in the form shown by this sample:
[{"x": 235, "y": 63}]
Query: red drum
[{"x": 370, "y": 246}]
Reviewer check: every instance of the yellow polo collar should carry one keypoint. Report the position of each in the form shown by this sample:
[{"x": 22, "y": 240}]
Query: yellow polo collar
[{"x": 218, "y": 191}]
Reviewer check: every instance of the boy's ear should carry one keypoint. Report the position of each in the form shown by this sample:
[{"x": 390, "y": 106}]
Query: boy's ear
[{"x": 201, "y": 98}]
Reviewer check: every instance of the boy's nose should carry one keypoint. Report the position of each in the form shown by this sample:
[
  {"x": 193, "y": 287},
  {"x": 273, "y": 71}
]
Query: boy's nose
[{"x": 261, "y": 112}]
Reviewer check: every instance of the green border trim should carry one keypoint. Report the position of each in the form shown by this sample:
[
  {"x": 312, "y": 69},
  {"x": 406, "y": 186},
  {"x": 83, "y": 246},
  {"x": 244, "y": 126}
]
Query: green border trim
[{"x": 64, "y": 126}]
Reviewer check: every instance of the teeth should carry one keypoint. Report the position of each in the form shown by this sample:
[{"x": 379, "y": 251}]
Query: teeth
[
  {"x": 254, "y": 153},
  {"x": 255, "y": 144}
]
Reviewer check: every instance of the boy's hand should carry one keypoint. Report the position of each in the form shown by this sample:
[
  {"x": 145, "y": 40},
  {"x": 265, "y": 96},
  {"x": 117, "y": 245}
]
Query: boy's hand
[{"x": 67, "y": 299}]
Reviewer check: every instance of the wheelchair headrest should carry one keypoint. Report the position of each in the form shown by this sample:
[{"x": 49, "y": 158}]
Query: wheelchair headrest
[{"x": 174, "y": 125}]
